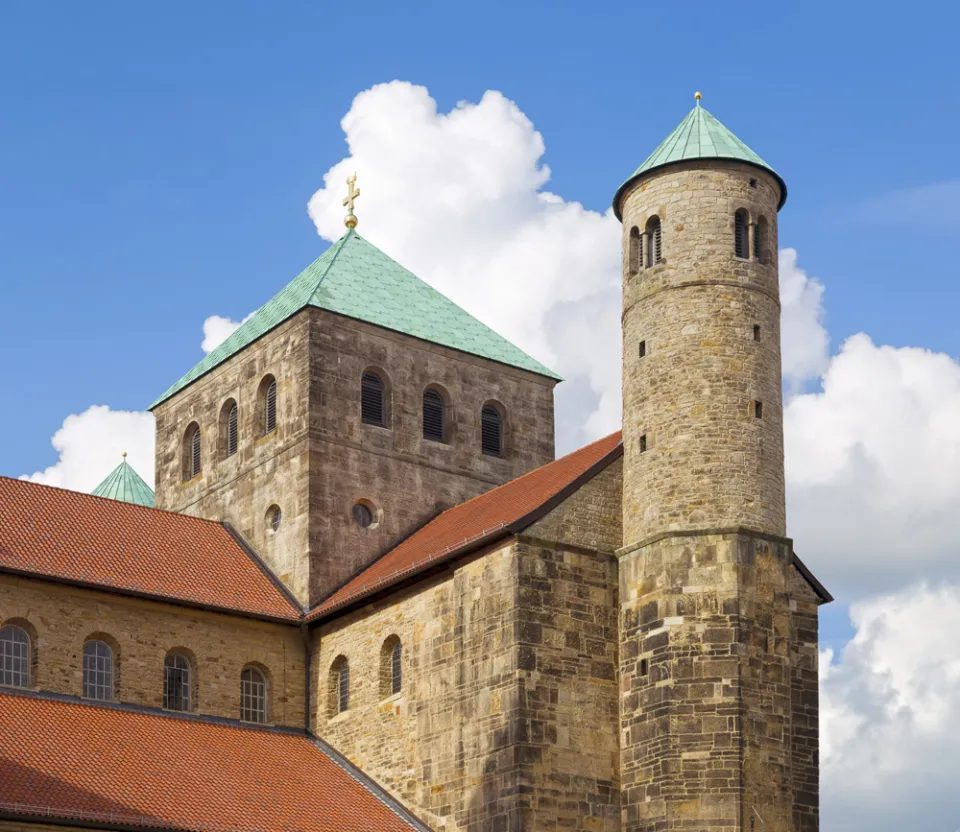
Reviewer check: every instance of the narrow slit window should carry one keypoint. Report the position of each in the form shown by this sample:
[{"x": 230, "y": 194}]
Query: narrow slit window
[
  {"x": 654, "y": 242},
  {"x": 191, "y": 452},
  {"x": 373, "y": 410},
  {"x": 758, "y": 409},
  {"x": 635, "y": 253},
  {"x": 740, "y": 234},
  {"x": 643, "y": 349},
  {"x": 270, "y": 408},
  {"x": 491, "y": 430},
  {"x": 433, "y": 416},
  {"x": 233, "y": 430},
  {"x": 643, "y": 444},
  {"x": 396, "y": 668},
  {"x": 756, "y": 332},
  {"x": 644, "y": 667},
  {"x": 343, "y": 688}
]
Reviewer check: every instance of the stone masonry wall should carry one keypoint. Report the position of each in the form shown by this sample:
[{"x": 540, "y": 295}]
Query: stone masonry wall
[
  {"x": 709, "y": 461},
  {"x": 407, "y": 478},
  {"x": 706, "y": 680},
  {"x": 61, "y": 619},
  {"x": 507, "y": 718},
  {"x": 266, "y": 470}
]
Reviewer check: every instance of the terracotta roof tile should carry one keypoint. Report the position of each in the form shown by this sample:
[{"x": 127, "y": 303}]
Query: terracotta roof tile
[
  {"x": 76, "y": 537},
  {"x": 84, "y": 762},
  {"x": 481, "y": 519}
]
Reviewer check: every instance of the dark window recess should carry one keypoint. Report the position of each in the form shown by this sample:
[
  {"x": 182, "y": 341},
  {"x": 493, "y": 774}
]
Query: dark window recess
[
  {"x": 232, "y": 431},
  {"x": 644, "y": 667},
  {"x": 433, "y": 416},
  {"x": 176, "y": 683},
  {"x": 491, "y": 429},
  {"x": 362, "y": 516},
  {"x": 654, "y": 241},
  {"x": 643, "y": 348},
  {"x": 373, "y": 409},
  {"x": 740, "y": 234},
  {"x": 396, "y": 668},
  {"x": 758, "y": 409},
  {"x": 343, "y": 688},
  {"x": 270, "y": 408},
  {"x": 643, "y": 444},
  {"x": 195, "y": 453},
  {"x": 753, "y": 183},
  {"x": 756, "y": 332},
  {"x": 635, "y": 252}
]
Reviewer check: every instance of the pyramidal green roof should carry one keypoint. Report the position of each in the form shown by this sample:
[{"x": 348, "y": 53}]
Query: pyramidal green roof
[
  {"x": 354, "y": 278},
  {"x": 699, "y": 136},
  {"x": 125, "y": 484}
]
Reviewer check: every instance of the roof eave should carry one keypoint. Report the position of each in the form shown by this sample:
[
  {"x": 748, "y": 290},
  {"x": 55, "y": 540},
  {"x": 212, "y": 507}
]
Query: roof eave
[{"x": 618, "y": 196}]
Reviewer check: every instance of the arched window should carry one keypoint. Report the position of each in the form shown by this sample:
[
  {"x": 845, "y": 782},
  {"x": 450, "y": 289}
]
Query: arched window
[
  {"x": 491, "y": 431},
  {"x": 654, "y": 242},
  {"x": 15, "y": 657},
  {"x": 274, "y": 517},
  {"x": 373, "y": 400},
  {"x": 253, "y": 695},
  {"x": 760, "y": 240},
  {"x": 391, "y": 667},
  {"x": 740, "y": 233},
  {"x": 98, "y": 670},
  {"x": 268, "y": 405},
  {"x": 339, "y": 689},
  {"x": 191, "y": 452},
  {"x": 433, "y": 416},
  {"x": 635, "y": 251},
  {"x": 229, "y": 429},
  {"x": 177, "y": 682}
]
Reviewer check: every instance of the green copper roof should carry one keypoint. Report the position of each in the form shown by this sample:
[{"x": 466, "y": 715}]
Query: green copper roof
[
  {"x": 123, "y": 483},
  {"x": 699, "y": 136},
  {"x": 356, "y": 279}
]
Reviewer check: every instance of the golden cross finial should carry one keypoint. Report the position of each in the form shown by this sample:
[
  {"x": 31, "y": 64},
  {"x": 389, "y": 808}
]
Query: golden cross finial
[{"x": 350, "y": 221}]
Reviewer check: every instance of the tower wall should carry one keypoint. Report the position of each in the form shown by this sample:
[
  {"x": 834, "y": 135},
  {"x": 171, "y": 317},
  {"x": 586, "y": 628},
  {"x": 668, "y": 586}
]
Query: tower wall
[
  {"x": 709, "y": 462},
  {"x": 706, "y": 612}
]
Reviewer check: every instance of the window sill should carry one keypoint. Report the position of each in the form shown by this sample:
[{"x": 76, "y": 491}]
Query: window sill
[
  {"x": 393, "y": 697},
  {"x": 192, "y": 480},
  {"x": 265, "y": 437},
  {"x": 340, "y": 717}
]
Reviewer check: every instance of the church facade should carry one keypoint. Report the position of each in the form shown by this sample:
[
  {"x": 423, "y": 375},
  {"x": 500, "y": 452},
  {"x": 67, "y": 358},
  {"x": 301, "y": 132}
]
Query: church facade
[{"x": 368, "y": 597}]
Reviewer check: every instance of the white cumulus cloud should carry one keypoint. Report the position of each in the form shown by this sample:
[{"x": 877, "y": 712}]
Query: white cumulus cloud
[
  {"x": 216, "y": 330},
  {"x": 90, "y": 445},
  {"x": 890, "y": 737}
]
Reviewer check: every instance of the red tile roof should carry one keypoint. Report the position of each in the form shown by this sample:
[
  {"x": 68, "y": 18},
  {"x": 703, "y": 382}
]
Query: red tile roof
[
  {"x": 498, "y": 512},
  {"x": 72, "y": 761},
  {"x": 65, "y": 535}
]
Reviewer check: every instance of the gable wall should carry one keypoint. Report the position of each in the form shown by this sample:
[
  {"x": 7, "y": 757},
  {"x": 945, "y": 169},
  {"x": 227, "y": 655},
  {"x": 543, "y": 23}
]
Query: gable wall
[{"x": 64, "y": 616}]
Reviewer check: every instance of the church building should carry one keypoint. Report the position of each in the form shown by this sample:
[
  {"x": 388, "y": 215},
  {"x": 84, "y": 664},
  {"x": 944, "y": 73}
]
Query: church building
[{"x": 366, "y": 597}]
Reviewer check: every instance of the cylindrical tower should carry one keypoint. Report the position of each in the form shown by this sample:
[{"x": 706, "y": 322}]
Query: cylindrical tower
[
  {"x": 702, "y": 409},
  {"x": 709, "y": 674}
]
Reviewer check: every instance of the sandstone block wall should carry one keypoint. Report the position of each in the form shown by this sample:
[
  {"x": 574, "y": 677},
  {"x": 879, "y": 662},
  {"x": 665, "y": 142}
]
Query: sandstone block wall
[
  {"x": 709, "y": 463},
  {"x": 707, "y": 678},
  {"x": 321, "y": 459},
  {"x": 267, "y": 470},
  {"x": 219, "y": 646},
  {"x": 408, "y": 478}
]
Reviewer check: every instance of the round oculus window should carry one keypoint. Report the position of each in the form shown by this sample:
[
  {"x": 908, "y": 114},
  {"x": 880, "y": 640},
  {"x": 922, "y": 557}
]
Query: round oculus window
[{"x": 363, "y": 515}]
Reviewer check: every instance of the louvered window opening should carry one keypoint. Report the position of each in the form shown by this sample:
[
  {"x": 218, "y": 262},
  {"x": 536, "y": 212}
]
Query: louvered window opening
[
  {"x": 654, "y": 242},
  {"x": 433, "y": 416},
  {"x": 176, "y": 683},
  {"x": 195, "y": 453},
  {"x": 270, "y": 408},
  {"x": 343, "y": 688},
  {"x": 491, "y": 428},
  {"x": 14, "y": 657},
  {"x": 253, "y": 696},
  {"x": 396, "y": 668},
  {"x": 233, "y": 431},
  {"x": 372, "y": 405},
  {"x": 740, "y": 234},
  {"x": 97, "y": 671}
]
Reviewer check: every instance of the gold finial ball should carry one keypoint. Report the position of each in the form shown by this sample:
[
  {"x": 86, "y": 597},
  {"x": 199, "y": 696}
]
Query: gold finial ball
[
  {"x": 124, "y": 454},
  {"x": 350, "y": 221},
  {"x": 698, "y": 95}
]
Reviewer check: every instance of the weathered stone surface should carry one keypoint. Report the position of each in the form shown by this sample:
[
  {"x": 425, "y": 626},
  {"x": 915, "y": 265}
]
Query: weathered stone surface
[
  {"x": 61, "y": 618},
  {"x": 322, "y": 459}
]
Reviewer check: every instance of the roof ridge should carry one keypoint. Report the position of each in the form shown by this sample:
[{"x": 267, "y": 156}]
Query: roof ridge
[
  {"x": 339, "y": 245},
  {"x": 87, "y": 494}
]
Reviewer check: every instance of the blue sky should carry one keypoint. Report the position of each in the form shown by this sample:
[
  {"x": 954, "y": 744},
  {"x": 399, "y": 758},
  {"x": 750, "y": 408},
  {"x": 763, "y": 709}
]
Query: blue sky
[{"x": 157, "y": 161}]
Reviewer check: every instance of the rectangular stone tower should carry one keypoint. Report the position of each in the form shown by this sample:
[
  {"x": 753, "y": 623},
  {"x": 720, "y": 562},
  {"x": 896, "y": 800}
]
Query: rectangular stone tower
[
  {"x": 288, "y": 457},
  {"x": 718, "y": 644}
]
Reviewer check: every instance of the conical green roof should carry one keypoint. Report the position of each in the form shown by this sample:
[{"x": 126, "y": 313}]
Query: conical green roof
[
  {"x": 354, "y": 278},
  {"x": 125, "y": 484},
  {"x": 699, "y": 136}
]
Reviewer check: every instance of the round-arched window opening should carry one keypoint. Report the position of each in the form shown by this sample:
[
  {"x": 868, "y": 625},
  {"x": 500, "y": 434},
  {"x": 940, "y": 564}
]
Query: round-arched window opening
[
  {"x": 274, "y": 516},
  {"x": 365, "y": 515}
]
